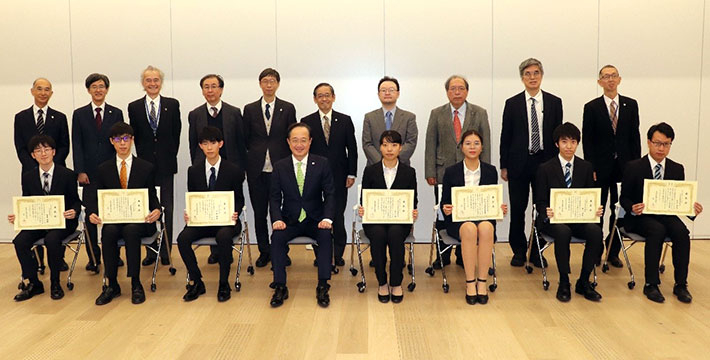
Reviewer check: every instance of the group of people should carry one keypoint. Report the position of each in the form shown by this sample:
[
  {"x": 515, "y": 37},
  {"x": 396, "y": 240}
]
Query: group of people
[{"x": 299, "y": 173}]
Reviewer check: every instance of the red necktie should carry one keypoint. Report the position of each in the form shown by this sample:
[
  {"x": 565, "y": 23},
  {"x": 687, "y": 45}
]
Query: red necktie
[
  {"x": 98, "y": 118},
  {"x": 457, "y": 126}
]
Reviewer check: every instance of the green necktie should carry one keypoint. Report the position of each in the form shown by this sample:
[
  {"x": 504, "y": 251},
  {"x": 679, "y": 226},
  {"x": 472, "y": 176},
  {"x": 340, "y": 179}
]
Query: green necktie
[{"x": 299, "y": 181}]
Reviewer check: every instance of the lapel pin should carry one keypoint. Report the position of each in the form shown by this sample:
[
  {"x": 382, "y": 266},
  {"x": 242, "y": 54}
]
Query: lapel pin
[
  {"x": 110, "y": 112},
  {"x": 624, "y": 104},
  {"x": 313, "y": 162},
  {"x": 281, "y": 109}
]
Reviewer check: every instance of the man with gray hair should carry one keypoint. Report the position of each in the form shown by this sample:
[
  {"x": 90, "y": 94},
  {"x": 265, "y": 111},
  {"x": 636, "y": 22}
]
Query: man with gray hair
[
  {"x": 525, "y": 142},
  {"x": 443, "y": 135},
  {"x": 155, "y": 120}
]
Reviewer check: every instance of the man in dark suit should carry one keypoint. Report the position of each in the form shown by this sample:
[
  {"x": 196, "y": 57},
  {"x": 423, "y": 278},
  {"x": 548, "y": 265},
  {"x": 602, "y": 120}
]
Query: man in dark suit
[
  {"x": 225, "y": 117},
  {"x": 213, "y": 173},
  {"x": 90, "y": 142},
  {"x": 568, "y": 171},
  {"x": 302, "y": 204},
  {"x": 334, "y": 138},
  {"x": 156, "y": 122},
  {"x": 526, "y": 142},
  {"x": 266, "y": 123},
  {"x": 611, "y": 139},
  {"x": 48, "y": 179},
  {"x": 124, "y": 171},
  {"x": 655, "y": 228}
]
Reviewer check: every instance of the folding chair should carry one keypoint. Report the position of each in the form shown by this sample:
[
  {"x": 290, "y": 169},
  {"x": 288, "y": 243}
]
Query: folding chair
[
  {"x": 441, "y": 239},
  {"x": 549, "y": 240},
  {"x": 241, "y": 238}
]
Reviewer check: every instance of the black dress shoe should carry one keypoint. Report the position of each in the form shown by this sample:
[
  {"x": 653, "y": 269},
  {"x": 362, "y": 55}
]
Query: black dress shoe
[
  {"x": 563, "y": 292},
  {"x": 372, "y": 263},
  {"x": 212, "y": 259},
  {"x": 535, "y": 260},
  {"x": 681, "y": 291},
  {"x": 29, "y": 291},
  {"x": 92, "y": 267},
  {"x": 288, "y": 260},
  {"x": 107, "y": 295},
  {"x": 396, "y": 299},
  {"x": 194, "y": 291},
  {"x": 471, "y": 299},
  {"x": 138, "y": 294},
  {"x": 56, "y": 291},
  {"x": 339, "y": 261},
  {"x": 263, "y": 260},
  {"x": 120, "y": 262},
  {"x": 322, "y": 295},
  {"x": 653, "y": 293},
  {"x": 315, "y": 262},
  {"x": 280, "y": 294},
  {"x": 517, "y": 260},
  {"x": 583, "y": 287},
  {"x": 383, "y": 298},
  {"x": 149, "y": 260},
  {"x": 64, "y": 267},
  {"x": 615, "y": 262},
  {"x": 224, "y": 292}
]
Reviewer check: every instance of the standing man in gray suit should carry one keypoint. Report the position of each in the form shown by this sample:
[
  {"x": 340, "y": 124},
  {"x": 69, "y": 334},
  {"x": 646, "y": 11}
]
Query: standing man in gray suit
[
  {"x": 225, "y": 117},
  {"x": 443, "y": 134},
  {"x": 389, "y": 117}
]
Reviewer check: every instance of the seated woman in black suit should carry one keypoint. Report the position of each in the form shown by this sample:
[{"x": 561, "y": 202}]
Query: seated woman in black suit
[
  {"x": 389, "y": 173},
  {"x": 476, "y": 236}
]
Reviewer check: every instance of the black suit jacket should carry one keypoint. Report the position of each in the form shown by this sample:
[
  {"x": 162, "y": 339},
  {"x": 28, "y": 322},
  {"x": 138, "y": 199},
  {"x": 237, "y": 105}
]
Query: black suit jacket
[
  {"x": 454, "y": 176},
  {"x": 286, "y": 202},
  {"x": 257, "y": 140},
  {"x": 406, "y": 179},
  {"x": 160, "y": 150},
  {"x": 55, "y": 126},
  {"x": 233, "y": 132},
  {"x": 551, "y": 176},
  {"x": 63, "y": 183},
  {"x": 599, "y": 142},
  {"x": 90, "y": 145},
  {"x": 229, "y": 178},
  {"x": 341, "y": 150},
  {"x": 514, "y": 136}
]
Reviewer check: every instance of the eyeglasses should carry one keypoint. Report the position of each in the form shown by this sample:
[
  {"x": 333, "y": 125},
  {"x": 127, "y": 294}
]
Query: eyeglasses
[
  {"x": 533, "y": 74},
  {"x": 607, "y": 77},
  {"x": 388, "y": 90},
  {"x": 659, "y": 144},
  {"x": 97, "y": 87},
  {"x": 213, "y": 87},
  {"x": 43, "y": 150},
  {"x": 124, "y": 138},
  {"x": 266, "y": 81},
  {"x": 474, "y": 143},
  {"x": 457, "y": 88},
  {"x": 323, "y": 96}
]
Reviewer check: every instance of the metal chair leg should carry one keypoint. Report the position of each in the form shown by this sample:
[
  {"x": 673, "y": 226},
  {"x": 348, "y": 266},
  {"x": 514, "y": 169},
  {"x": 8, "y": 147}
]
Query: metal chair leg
[
  {"x": 413, "y": 284},
  {"x": 362, "y": 285}
]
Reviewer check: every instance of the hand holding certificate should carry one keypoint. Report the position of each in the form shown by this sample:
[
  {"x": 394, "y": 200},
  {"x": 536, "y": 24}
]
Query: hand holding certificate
[
  {"x": 475, "y": 203},
  {"x": 209, "y": 208},
  {"x": 388, "y": 206},
  {"x": 670, "y": 197},
  {"x": 122, "y": 206},
  {"x": 38, "y": 212},
  {"x": 574, "y": 206}
]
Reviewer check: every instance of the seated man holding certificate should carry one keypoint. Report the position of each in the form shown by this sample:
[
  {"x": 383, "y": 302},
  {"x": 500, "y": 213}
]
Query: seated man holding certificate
[
  {"x": 301, "y": 204},
  {"x": 476, "y": 237},
  {"x": 213, "y": 173},
  {"x": 389, "y": 173},
  {"x": 655, "y": 228},
  {"x": 48, "y": 179},
  {"x": 125, "y": 171},
  {"x": 568, "y": 171}
]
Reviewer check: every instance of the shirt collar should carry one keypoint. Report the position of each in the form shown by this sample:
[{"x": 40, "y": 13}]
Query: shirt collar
[
  {"x": 466, "y": 169},
  {"x": 295, "y": 161},
  {"x": 41, "y": 172},
  {"x": 385, "y": 168},
  {"x": 216, "y": 165},
  {"x": 102, "y": 107},
  {"x": 564, "y": 162},
  {"x": 129, "y": 160},
  {"x": 461, "y": 109},
  {"x": 263, "y": 103},
  {"x": 209, "y": 107},
  {"x": 44, "y": 110},
  {"x": 329, "y": 114},
  {"x": 156, "y": 100},
  {"x": 653, "y": 163},
  {"x": 384, "y": 112},
  {"x": 537, "y": 97},
  {"x": 608, "y": 100}
]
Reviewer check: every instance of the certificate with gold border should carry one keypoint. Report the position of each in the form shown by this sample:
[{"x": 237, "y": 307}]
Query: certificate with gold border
[
  {"x": 670, "y": 197},
  {"x": 123, "y": 206},
  {"x": 473, "y": 203},
  {"x": 210, "y": 208},
  {"x": 387, "y": 206},
  {"x": 575, "y": 206},
  {"x": 38, "y": 212}
]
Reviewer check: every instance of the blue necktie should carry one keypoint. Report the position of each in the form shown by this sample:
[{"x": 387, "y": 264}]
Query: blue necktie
[
  {"x": 388, "y": 120},
  {"x": 657, "y": 172},
  {"x": 153, "y": 118},
  {"x": 213, "y": 179},
  {"x": 568, "y": 174},
  {"x": 534, "y": 129},
  {"x": 267, "y": 113}
]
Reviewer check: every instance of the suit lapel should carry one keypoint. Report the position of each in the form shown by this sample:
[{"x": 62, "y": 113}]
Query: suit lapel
[
  {"x": 398, "y": 114},
  {"x": 577, "y": 176},
  {"x": 524, "y": 114},
  {"x": 226, "y": 124},
  {"x": 310, "y": 174},
  {"x": 202, "y": 180},
  {"x": 133, "y": 176},
  {"x": 318, "y": 134},
  {"x": 559, "y": 173}
]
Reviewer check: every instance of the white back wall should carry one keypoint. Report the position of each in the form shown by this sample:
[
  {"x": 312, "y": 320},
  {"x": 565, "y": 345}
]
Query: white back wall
[{"x": 658, "y": 46}]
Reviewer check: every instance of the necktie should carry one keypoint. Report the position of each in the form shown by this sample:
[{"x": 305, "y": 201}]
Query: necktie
[
  {"x": 267, "y": 113},
  {"x": 534, "y": 129},
  {"x": 213, "y": 179},
  {"x": 568, "y": 174},
  {"x": 457, "y": 126},
  {"x": 388, "y": 120},
  {"x": 326, "y": 129},
  {"x": 40, "y": 121},
  {"x": 98, "y": 118},
  {"x": 612, "y": 115},
  {"x": 300, "y": 180},
  {"x": 214, "y": 111},
  {"x": 657, "y": 172},
  {"x": 153, "y": 119},
  {"x": 45, "y": 185},
  {"x": 124, "y": 175}
]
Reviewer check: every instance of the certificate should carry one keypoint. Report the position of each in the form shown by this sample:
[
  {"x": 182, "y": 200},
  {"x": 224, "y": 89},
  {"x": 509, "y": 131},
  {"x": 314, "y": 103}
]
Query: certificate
[
  {"x": 388, "y": 206},
  {"x": 670, "y": 197},
  {"x": 121, "y": 206},
  {"x": 38, "y": 212},
  {"x": 473, "y": 203},
  {"x": 210, "y": 208},
  {"x": 575, "y": 206}
]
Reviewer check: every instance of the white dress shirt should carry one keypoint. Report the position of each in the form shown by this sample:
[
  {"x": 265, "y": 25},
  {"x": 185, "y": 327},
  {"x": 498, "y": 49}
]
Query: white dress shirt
[
  {"x": 471, "y": 177},
  {"x": 36, "y": 108},
  {"x": 390, "y": 174},
  {"x": 462, "y": 114},
  {"x": 129, "y": 162},
  {"x": 208, "y": 167},
  {"x": 653, "y": 166},
  {"x": 41, "y": 176},
  {"x": 564, "y": 162},
  {"x": 218, "y": 106}
]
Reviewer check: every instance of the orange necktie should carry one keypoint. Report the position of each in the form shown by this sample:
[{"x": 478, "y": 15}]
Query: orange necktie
[
  {"x": 457, "y": 125},
  {"x": 123, "y": 175}
]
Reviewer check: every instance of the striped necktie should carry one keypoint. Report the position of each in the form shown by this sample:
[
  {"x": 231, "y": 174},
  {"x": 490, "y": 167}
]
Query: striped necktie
[
  {"x": 568, "y": 174},
  {"x": 534, "y": 129},
  {"x": 40, "y": 121},
  {"x": 45, "y": 185},
  {"x": 657, "y": 172},
  {"x": 300, "y": 179}
]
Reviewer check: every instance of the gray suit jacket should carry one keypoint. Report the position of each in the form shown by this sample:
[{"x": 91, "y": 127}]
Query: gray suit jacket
[
  {"x": 404, "y": 122},
  {"x": 233, "y": 129},
  {"x": 441, "y": 149}
]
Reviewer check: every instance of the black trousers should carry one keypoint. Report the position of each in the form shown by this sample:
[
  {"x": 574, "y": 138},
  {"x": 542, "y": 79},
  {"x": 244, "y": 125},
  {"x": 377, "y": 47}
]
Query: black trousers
[
  {"x": 167, "y": 200},
  {"x": 259, "y": 189},
  {"x": 562, "y": 233},
  {"x": 339, "y": 235},
  {"x": 55, "y": 252},
  {"x": 222, "y": 234},
  {"x": 91, "y": 229},
  {"x": 611, "y": 193},
  {"x": 519, "y": 191},
  {"x": 131, "y": 234},
  {"x": 383, "y": 236},
  {"x": 655, "y": 228},
  {"x": 279, "y": 248}
]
